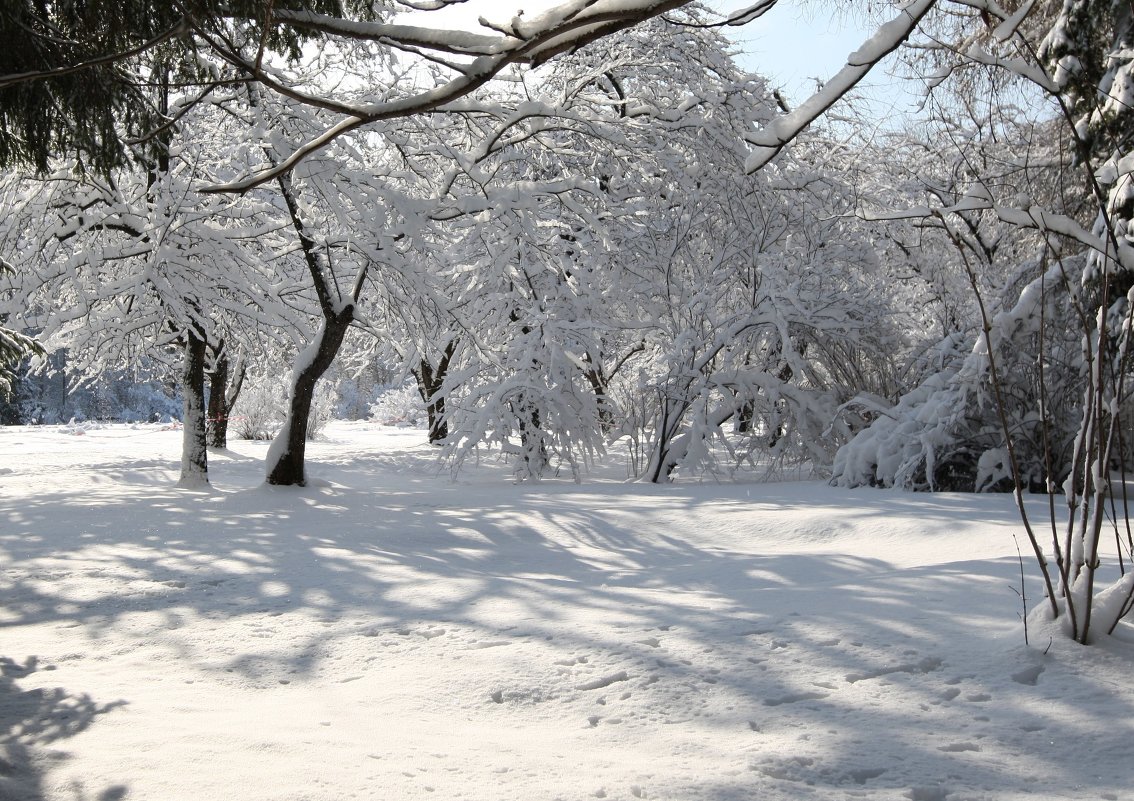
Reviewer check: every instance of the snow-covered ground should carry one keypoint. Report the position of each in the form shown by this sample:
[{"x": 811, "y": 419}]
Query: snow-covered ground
[{"x": 390, "y": 633}]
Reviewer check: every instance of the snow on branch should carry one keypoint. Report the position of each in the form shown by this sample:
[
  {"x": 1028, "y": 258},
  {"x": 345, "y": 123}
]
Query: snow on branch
[
  {"x": 439, "y": 40},
  {"x": 429, "y": 5},
  {"x": 737, "y": 18},
  {"x": 772, "y": 139},
  {"x": 1018, "y": 66},
  {"x": 754, "y": 11},
  {"x": 564, "y": 27},
  {"x": 1034, "y": 217}
]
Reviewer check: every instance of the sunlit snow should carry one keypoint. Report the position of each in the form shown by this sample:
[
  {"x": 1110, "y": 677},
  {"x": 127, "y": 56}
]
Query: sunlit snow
[{"x": 388, "y": 632}]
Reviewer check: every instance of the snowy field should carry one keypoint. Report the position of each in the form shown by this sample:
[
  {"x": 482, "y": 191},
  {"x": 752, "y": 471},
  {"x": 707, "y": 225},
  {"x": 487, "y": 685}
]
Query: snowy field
[{"x": 390, "y": 633}]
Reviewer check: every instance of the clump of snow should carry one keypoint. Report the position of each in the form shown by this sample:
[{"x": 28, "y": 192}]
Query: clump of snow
[
  {"x": 993, "y": 467},
  {"x": 78, "y": 428}
]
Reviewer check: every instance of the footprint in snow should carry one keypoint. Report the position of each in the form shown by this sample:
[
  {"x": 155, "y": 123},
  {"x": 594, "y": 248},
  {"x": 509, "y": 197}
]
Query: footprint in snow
[
  {"x": 927, "y": 794},
  {"x": 927, "y": 665},
  {"x": 863, "y": 775},
  {"x": 605, "y": 681},
  {"x": 795, "y": 698},
  {"x": 956, "y": 748}
]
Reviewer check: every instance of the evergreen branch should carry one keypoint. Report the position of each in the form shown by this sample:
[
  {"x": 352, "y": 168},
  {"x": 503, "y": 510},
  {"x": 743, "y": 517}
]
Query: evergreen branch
[{"x": 24, "y": 77}]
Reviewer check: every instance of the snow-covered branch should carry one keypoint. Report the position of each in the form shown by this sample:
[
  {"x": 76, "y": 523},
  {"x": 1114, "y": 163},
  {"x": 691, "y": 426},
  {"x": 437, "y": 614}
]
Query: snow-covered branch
[
  {"x": 772, "y": 139},
  {"x": 562, "y": 28}
]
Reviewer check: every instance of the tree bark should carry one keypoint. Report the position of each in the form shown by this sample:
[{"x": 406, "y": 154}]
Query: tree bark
[
  {"x": 286, "y": 457},
  {"x": 222, "y": 396},
  {"x": 218, "y": 415},
  {"x": 598, "y": 386},
  {"x": 430, "y": 381},
  {"x": 194, "y": 449}
]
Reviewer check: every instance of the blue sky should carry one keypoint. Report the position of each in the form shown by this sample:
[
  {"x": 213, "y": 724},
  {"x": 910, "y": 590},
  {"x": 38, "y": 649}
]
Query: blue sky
[
  {"x": 790, "y": 45},
  {"x": 795, "y": 43}
]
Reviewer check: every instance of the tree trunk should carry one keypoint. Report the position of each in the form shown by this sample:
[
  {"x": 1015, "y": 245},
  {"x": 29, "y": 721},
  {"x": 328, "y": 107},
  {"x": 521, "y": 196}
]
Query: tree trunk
[
  {"x": 745, "y": 418},
  {"x": 672, "y": 445},
  {"x": 598, "y": 385},
  {"x": 286, "y": 455},
  {"x": 222, "y": 397},
  {"x": 429, "y": 386},
  {"x": 663, "y": 459},
  {"x": 430, "y": 382},
  {"x": 532, "y": 442},
  {"x": 218, "y": 414},
  {"x": 194, "y": 450}
]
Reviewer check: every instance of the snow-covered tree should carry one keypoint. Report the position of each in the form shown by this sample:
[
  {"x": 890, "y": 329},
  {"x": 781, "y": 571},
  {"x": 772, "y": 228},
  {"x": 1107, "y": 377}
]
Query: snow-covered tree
[
  {"x": 122, "y": 268},
  {"x": 1042, "y": 395},
  {"x": 931, "y": 439},
  {"x": 584, "y": 227},
  {"x": 14, "y": 347}
]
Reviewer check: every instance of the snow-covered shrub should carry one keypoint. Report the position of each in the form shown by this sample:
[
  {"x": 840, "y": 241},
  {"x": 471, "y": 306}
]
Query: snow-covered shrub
[
  {"x": 262, "y": 407},
  {"x": 946, "y": 433},
  {"x": 353, "y": 402},
  {"x": 322, "y": 409},
  {"x": 260, "y": 410},
  {"x": 398, "y": 406},
  {"x": 542, "y": 426},
  {"x": 146, "y": 401}
]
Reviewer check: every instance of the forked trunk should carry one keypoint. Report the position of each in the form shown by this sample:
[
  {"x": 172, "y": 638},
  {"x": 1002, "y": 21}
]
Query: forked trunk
[
  {"x": 430, "y": 383},
  {"x": 194, "y": 451}
]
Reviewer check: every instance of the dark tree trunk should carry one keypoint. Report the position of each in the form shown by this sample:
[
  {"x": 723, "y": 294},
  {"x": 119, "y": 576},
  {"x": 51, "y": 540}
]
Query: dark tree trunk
[
  {"x": 194, "y": 450},
  {"x": 430, "y": 381},
  {"x": 532, "y": 441},
  {"x": 286, "y": 458},
  {"x": 780, "y": 407},
  {"x": 598, "y": 385},
  {"x": 662, "y": 461},
  {"x": 222, "y": 396},
  {"x": 218, "y": 414},
  {"x": 286, "y": 455},
  {"x": 745, "y": 418},
  {"x": 429, "y": 386}
]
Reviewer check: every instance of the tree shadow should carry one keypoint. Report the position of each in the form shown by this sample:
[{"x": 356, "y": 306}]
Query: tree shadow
[
  {"x": 32, "y": 724},
  {"x": 381, "y": 549}
]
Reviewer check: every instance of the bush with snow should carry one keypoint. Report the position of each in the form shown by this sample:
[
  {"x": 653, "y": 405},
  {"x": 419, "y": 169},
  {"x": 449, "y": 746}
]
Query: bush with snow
[
  {"x": 399, "y": 406},
  {"x": 262, "y": 407},
  {"x": 259, "y": 411},
  {"x": 946, "y": 433}
]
